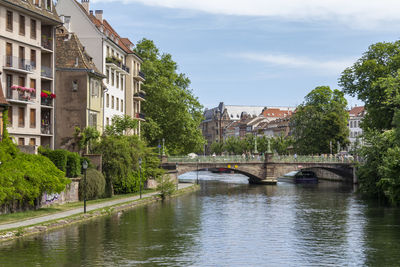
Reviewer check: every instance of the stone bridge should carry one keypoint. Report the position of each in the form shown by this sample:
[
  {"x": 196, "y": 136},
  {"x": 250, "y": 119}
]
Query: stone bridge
[{"x": 266, "y": 171}]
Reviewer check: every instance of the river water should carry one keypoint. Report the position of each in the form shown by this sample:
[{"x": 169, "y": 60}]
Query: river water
[{"x": 227, "y": 223}]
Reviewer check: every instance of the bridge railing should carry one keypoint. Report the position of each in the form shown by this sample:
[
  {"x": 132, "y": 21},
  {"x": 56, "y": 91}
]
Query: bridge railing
[
  {"x": 216, "y": 159},
  {"x": 259, "y": 158}
]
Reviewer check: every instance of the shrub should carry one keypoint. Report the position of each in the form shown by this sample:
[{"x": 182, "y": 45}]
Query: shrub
[
  {"x": 73, "y": 164},
  {"x": 165, "y": 186},
  {"x": 95, "y": 185},
  {"x": 27, "y": 177}
]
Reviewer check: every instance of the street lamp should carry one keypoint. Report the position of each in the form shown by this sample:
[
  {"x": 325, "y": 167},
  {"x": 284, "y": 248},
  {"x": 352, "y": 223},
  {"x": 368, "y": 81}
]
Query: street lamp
[
  {"x": 163, "y": 148},
  {"x": 197, "y": 178},
  {"x": 140, "y": 177},
  {"x": 84, "y": 167}
]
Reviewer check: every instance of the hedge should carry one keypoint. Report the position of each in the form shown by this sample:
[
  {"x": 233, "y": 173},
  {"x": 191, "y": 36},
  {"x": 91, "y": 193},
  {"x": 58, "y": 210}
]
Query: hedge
[{"x": 68, "y": 162}]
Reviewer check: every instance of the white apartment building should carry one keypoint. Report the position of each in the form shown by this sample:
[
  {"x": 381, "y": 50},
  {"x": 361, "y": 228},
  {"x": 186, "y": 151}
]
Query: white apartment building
[
  {"x": 27, "y": 30},
  {"x": 110, "y": 54},
  {"x": 356, "y": 115}
]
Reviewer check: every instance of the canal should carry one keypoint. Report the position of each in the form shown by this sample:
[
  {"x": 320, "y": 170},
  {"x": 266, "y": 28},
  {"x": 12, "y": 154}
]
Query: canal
[{"x": 227, "y": 223}]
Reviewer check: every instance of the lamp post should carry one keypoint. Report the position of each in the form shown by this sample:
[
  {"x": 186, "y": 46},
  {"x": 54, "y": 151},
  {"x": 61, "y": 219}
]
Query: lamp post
[
  {"x": 197, "y": 178},
  {"x": 84, "y": 167},
  {"x": 140, "y": 177},
  {"x": 163, "y": 146}
]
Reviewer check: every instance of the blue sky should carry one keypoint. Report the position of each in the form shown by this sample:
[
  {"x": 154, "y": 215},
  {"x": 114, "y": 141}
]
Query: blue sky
[{"x": 257, "y": 52}]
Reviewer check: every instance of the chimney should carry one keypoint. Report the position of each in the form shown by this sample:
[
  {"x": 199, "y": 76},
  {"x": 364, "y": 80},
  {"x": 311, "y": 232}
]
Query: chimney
[
  {"x": 85, "y": 4},
  {"x": 99, "y": 15}
]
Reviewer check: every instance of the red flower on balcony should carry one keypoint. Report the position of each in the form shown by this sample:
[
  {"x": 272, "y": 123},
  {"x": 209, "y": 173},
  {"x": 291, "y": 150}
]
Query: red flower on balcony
[
  {"x": 52, "y": 96},
  {"x": 44, "y": 95}
]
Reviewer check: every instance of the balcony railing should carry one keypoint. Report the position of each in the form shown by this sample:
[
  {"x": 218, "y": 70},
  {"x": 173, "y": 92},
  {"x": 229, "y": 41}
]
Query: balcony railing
[
  {"x": 47, "y": 72},
  {"x": 141, "y": 74},
  {"x": 46, "y": 128},
  {"x": 140, "y": 116},
  {"x": 19, "y": 63},
  {"x": 46, "y": 101},
  {"x": 140, "y": 94},
  {"x": 47, "y": 42},
  {"x": 125, "y": 68},
  {"x": 19, "y": 95}
]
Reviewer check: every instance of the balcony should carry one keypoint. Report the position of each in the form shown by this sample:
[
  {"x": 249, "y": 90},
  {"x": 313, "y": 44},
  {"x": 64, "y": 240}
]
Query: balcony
[
  {"x": 139, "y": 96},
  {"x": 47, "y": 42},
  {"x": 46, "y": 101},
  {"x": 46, "y": 129},
  {"x": 140, "y": 116},
  {"x": 117, "y": 64},
  {"x": 19, "y": 96},
  {"x": 19, "y": 65},
  {"x": 46, "y": 72},
  {"x": 139, "y": 76}
]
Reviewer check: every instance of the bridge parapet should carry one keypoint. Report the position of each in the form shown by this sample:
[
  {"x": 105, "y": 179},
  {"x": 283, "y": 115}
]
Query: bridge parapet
[{"x": 257, "y": 159}]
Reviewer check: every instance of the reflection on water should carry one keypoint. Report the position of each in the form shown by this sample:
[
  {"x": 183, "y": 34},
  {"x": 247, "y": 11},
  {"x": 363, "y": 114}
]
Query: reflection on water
[{"x": 227, "y": 223}]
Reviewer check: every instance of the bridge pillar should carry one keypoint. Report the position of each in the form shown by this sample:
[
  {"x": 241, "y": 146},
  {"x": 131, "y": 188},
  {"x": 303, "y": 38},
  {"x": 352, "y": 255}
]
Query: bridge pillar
[{"x": 269, "y": 170}]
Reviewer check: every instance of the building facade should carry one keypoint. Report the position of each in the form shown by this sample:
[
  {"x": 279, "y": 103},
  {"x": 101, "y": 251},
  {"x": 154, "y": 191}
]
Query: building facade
[
  {"x": 79, "y": 90},
  {"x": 112, "y": 55},
  {"x": 27, "y": 29},
  {"x": 356, "y": 115}
]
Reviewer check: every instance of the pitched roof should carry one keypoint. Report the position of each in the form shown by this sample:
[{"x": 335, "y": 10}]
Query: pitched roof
[
  {"x": 356, "y": 111},
  {"x": 276, "y": 113},
  {"x": 3, "y": 101},
  {"x": 41, "y": 10},
  {"x": 70, "y": 53}
]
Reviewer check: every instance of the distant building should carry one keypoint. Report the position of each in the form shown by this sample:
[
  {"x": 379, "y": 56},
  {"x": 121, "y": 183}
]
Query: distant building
[
  {"x": 356, "y": 115},
  {"x": 79, "y": 90},
  {"x": 225, "y": 121}
]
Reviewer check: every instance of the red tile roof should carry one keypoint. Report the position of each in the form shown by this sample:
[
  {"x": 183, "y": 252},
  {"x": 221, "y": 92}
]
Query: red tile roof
[
  {"x": 356, "y": 111},
  {"x": 276, "y": 113}
]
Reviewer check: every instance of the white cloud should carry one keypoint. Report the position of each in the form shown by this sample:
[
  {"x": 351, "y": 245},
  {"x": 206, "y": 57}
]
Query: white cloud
[
  {"x": 361, "y": 13},
  {"x": 295, "y": 62}
]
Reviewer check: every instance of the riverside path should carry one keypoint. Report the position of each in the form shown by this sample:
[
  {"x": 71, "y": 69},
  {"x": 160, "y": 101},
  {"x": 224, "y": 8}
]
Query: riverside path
[{"x": 76, "y": 211}]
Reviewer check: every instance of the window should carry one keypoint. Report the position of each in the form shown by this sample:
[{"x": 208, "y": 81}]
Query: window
[
  {"x": 122, "y": 83},
  {"x": 107, "y": 121},
  {"x": 21, "y": 81},
  {"x": 108, "y": 51},
  {"x": 10, "y": 116},
  {"x": 93, "y": 119},
  {"x": 75, "y": 85},
  {"x": 108, "y": 76},
  {"x": 117, "y": 104},
  {"x": 32, "y": 118},
  {"x": 33, "y": 29},
  {"x": 122, "y": 105},
  {"x": 48, "y": 5},
  {"x": 21, "y": 59},
  {"x": 33, "y": 85},
  {"x": 112, "y": 101},
  {"x": 33, "y": 58},
  {"x": 9, "y": 55},
  {"x": 32, "y": 142},
  {"x": 95, "y": 88},
  {"x": 21, "y": 141},
  {"x": 21, "y": 117},
  {"x": 9, "y": 22},
  {"x": 21, "y": 25},
  {"x": 112, "y": 78},
  {"x": 117, "y": 79},
  {"x": 107, "y": 100}
]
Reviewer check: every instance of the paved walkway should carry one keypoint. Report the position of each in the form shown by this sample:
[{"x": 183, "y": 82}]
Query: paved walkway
[{"x": 68, "y": 213}]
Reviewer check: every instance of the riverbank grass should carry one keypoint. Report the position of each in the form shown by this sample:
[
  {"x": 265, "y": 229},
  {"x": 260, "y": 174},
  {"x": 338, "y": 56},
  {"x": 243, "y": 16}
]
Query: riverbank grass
[{"x": 30, "y": 214}]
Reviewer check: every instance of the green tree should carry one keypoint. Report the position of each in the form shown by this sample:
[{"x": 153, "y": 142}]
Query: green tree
[
  {"x": 322, "y": 118},
  {"x": 121, "y": 125},
  {"x": 364, "y": 80},
  {"x": 86, "y": 138},
  {"x": 234, "y": 145},
  {"x": 281, "y": 144},
  {"x": 172, "y": 111},
  {"x": 217, "y": 148}
]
